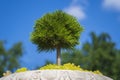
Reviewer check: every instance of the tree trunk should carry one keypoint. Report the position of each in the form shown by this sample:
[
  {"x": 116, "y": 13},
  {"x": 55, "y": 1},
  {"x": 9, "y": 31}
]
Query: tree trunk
[{"x": 58, "y": 56}]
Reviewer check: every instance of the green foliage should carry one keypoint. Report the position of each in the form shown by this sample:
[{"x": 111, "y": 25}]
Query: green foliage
[
  {"x": 73, "y": 56},
  {"x": 57, "y": 29},
  {"x": 67, "y": 66},
  {"x": 22, "y": 70},
  {"x": 9, "y": 59},
  {"x": 116, "y": 67},
  {"x": 98, "y": 54}
]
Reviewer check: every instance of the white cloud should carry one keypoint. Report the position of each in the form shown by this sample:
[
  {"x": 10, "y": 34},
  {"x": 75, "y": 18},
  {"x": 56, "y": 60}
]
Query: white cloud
[
  {"x": 112, "y": 4},
  {"x": 76, "y": 11}
]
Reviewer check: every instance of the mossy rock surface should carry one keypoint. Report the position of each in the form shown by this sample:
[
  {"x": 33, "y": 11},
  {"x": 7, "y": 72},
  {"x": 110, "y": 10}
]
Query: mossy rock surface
[{"x": 55, "y": 75}]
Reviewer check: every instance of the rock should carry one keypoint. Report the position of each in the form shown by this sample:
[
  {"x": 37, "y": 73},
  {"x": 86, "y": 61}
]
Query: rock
[
  {"x": 55, "y": 75},
  {"x": 7, "y": 73}
]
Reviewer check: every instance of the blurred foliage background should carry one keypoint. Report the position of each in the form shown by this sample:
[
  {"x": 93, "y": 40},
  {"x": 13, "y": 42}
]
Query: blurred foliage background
[
  {"x": 98, "y": 53},
  {"x": 9, "y": 59}
]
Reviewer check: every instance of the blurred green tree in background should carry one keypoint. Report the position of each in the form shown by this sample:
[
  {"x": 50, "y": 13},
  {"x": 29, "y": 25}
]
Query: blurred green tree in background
[
  {"x": 9, "y": 59},
  {"x": 98, "y": 54}
]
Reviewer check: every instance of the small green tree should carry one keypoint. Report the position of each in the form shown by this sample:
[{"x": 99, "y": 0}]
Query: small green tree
[{"x": 57, "y": 30}]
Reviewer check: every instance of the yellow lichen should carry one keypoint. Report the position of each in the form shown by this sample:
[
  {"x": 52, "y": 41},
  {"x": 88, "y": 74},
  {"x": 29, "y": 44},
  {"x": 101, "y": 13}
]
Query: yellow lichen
[
  {"x": 68, "y": 66},
  {"x": 22, "y": 69}
]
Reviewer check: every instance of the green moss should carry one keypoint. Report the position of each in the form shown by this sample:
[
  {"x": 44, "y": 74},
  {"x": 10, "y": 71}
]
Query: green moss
[
  {"x": 22, "y": 69},
  {"x": 68, "y": 66}
]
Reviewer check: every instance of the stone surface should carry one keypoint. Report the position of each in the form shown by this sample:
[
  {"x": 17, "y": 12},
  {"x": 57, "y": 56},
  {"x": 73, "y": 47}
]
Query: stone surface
[{"x": 55, "y": 75}]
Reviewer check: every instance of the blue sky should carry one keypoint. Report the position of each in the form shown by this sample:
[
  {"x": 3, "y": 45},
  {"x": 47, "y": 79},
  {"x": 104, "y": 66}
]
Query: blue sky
[{"x": 17, "y": 18}]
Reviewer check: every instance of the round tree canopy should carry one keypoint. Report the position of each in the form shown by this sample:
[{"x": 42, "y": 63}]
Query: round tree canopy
[{"x": 57, "y": 29}]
